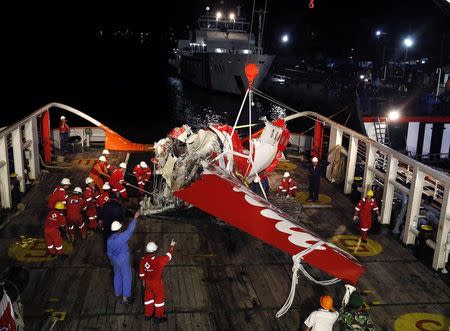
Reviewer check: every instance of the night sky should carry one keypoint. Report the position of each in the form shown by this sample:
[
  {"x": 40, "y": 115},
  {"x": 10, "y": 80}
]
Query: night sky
[{"x": 49, "y": 47}]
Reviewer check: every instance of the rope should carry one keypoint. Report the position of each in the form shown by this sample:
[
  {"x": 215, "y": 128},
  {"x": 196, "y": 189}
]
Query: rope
[{"x": 295, "y": 268}]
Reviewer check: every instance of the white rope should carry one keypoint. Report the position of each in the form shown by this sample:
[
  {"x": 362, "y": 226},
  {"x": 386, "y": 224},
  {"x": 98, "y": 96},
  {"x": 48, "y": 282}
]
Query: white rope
[{"x": 295, "y": 268}]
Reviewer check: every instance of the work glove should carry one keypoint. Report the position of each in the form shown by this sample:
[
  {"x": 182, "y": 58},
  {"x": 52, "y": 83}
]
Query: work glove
[
  {"x": 355, "y": 218},
  {"x": 137, "y": 214},
  {"x": 379, "y": 218},
  {"x": 173, "y": 243}
]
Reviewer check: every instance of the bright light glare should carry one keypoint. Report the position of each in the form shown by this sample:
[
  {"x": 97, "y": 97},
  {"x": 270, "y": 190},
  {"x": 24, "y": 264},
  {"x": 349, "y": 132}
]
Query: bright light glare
[
  {"x": 408, "y": 42},
  {"x": 207, "y": 8},
  {"x": 218, "y": 15},
  {"x": 394, "y": 115},
  {"x": 361, "y": 77},
  {"x": 232, "y": 17},
  {"x": 285, "y": 38},
  {"x": 378, "y": 33}
]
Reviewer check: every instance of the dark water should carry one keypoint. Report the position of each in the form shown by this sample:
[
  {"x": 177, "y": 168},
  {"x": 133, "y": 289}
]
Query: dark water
[{"x": 131, "y": 89}]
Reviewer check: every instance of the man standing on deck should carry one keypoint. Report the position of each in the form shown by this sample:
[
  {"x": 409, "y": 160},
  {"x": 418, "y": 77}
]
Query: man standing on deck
[
  {"x": 117, "y": 180},
  {"x": 54, "y": 220},
  {"x": 64, "y": 132},
  {"x": 142, "y": 173},
  {"x": 119, "y": 255},
  {"x": 324, "y": 318},
  {"x": 91, "y": 195},
  {"x": 99, "y": 172},
  {"x": 314, "y": 180},
  {"x": 59, "y": 193},
  {"x": 364, "y": 209},
  {"x": 75, "y": 205},
  {"x": 150, "y": 273},
  {"x": 104, "y": 196},
  {"x": 111, "y": 211}
]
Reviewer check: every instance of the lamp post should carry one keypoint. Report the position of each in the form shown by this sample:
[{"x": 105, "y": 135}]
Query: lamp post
[{"x": 380, "y": 34}]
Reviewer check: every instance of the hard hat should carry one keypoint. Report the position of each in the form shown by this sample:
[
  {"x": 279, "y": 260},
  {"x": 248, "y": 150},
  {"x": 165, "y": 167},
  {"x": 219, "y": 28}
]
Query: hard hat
[
  {"x": 62, "y": 117},
  {"x": 89, "y": 180},
  {"x": 151, "y": 247},
  {"x": 315, "y": 159},
  {"x": 65, "y": 181},
  {"x": 326, "y": 302},
  {"x": 106, "y": 186},
  {"x": 369, "y": 193},
  {"x": 115, "y": 226},
  {"x": 106, "y": 152},
  {"x": 123, "y": 165},
  {"x": 77, "y": 190},
  {"x": 286, "y": 174},
  {"x": 60, "y": 205},
  {"x": 256, "y": 180},
  {"x": 102, "y": 159},
  {"x": 426, "y": 227},
  {"x": 143, "y": 164}
]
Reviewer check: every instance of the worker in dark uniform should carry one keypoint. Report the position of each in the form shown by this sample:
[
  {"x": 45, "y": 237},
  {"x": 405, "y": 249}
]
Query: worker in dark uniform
[
  {"x": 314, "y": 180},
  {"x": 110, "y": 212}
]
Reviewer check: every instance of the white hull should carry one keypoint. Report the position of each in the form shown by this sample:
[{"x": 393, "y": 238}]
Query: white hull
[{"x": 221, "y": 72}]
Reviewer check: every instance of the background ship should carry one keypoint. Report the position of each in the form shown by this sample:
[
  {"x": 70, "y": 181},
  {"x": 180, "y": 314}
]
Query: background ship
[{"x": 215, "y": 54}]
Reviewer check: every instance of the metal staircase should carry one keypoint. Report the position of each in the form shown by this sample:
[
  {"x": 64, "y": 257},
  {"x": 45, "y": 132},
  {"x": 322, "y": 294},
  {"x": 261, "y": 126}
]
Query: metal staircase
[{"x": 382, "y": 131}]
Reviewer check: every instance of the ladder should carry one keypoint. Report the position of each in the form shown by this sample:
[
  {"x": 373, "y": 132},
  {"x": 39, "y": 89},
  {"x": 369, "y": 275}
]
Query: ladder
[{"x": 381, "y": 131}]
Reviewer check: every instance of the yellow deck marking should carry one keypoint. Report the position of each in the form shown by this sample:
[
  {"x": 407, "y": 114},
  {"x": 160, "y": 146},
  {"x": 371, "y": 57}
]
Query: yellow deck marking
[
  {"x": 84, "y": 162},
  {"x": 422, "y": 322},
  {"x": 286, "y": 166},
  {"x": 353, "y": 244},
  {"x": 59, "y": 315},
  {"x": 303, "y": 196},
  {"x": 33, "y": 250}
]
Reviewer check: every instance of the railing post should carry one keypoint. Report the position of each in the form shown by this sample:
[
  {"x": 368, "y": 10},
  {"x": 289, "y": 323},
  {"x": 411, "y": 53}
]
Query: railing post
[
  {"x": 31, "y": 133},
  {"x": 18, "y": 157},
  {"x": 388, "y": 192},
  {"x": 335, "y": 139},
  {"x": 45, "y": 133},
  {"x": 351, "y": 164},
  {"x": 414, "y": 201},
  {"x": 318, "y": 140},
  {"x": 5, "y": 183},
  {"x": 443, "y": 230},
  {"x": 368, "y": 175}
]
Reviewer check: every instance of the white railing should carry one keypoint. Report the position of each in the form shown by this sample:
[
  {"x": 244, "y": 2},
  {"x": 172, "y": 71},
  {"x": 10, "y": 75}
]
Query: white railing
[{"x": 398, "y": 172}]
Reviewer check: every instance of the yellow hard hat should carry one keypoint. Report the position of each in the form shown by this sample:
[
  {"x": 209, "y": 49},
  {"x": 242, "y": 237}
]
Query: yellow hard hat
[
  {"x": 426, "y": 227},
  {"x": 59, "y": 205},
  {"x": 369, "y": 193}
]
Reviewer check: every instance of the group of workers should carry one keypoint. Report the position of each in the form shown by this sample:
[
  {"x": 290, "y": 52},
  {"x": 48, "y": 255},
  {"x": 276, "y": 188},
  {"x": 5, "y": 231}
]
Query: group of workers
[
  {"x": 288, "y": 186},
  {"x": 101, "y": 202},
  {"x": 351, "y": 317},
  {"x": 364, "y": 210}
]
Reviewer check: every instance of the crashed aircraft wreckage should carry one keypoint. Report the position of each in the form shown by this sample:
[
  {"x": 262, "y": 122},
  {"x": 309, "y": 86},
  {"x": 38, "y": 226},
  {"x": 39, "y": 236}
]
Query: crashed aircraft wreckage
[{"x": 194, "y": 168}]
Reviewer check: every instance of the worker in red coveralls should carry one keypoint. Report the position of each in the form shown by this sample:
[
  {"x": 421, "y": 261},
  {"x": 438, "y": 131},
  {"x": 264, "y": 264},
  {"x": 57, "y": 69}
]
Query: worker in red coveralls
[
  {"x": 104, "y": 196},
  {"x": 64, "y": 132},
  {"x": 75, "y": 205},
  {"x": 91, "y": 195},
  {"x": 54, "y": 220},
  {"x": 150, "y": 273},
  {"x": 117, "y": 180},
  {"x": 364, "y": 209},
  {"x": 99, "y": 172},
  {"x": 59, "y": 193},
  {"x": 288, "y": 187},
  {"x": 109, "y": 166},
  {"x": 142, "y": 173}
]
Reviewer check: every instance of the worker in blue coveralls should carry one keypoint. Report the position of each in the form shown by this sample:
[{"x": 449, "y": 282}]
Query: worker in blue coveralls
[{"x": 119, "y": 255}]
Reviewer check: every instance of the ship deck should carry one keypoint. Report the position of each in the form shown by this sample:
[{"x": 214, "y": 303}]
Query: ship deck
[{"x": 220, "y": 278}]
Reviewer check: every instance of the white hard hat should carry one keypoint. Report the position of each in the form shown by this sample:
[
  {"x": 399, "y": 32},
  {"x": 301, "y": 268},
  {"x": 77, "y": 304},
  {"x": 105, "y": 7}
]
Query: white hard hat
[
  {"x": 143, "y": 164},
  {"x": 106, "y": 186},
  {"x": 115, "y": 226},
  {"x": 77, "y": 190},
  {"x": 123, "y": 165},
  {"x": 106, "y": 152},
  {"x": 286, "y": 174},
  {"x": 88, "y": 180},
  {"x": 63, "y": 117},
  {"x": 256, "y": 180},
  {"x": 151, "y": 247},
  {"x": 315, "y": 159},
  {"x": 65, "y": 181},
  {"x": 102, "y": 158}
]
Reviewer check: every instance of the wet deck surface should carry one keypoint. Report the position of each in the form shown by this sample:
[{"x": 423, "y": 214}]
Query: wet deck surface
[{"x": 220, "y": 278}]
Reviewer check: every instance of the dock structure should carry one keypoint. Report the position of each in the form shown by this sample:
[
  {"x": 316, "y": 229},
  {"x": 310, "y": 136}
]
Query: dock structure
[{"x": 221, "y": 278}]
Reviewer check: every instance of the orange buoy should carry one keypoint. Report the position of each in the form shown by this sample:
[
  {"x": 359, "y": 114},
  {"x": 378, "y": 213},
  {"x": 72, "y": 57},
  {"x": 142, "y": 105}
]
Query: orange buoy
[{"x": 251, "y": 71}]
